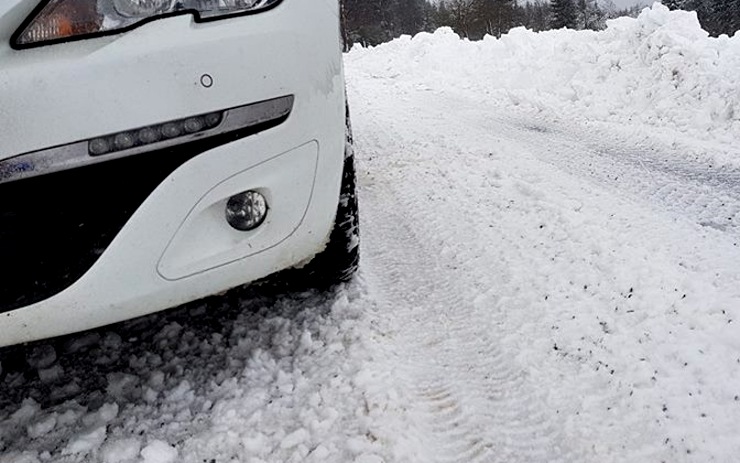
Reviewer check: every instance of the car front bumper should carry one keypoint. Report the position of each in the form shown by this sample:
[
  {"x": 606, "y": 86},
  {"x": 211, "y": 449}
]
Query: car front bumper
[{"x": 176, "y": 246}]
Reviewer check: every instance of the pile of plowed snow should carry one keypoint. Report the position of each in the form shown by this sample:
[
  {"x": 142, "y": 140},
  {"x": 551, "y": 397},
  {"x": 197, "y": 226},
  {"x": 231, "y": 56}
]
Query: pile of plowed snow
[{"x": 659, "y": 69}]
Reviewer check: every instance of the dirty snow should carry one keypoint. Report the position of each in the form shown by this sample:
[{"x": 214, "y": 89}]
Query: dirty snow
[{"x": 550, "y": 273}]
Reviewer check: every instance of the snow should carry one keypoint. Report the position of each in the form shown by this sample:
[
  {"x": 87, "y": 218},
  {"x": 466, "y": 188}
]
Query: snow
[
  {"x": 85, "y": 441},
  {"x": 659, "y": 70},
  {"x": 550, "y": 228},
  {"x": 42, "y": 357},
  {"x": 159, "y": 452},
  {"x": 121, "y": 450},
  {"x": 269, "y": 379}
]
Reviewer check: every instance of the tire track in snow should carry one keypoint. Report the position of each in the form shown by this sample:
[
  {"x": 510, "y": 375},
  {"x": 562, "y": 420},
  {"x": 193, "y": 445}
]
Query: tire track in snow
[
  {"x": 669, "y": 173},
  {"x": 490, "y": 217},
  {"x": 475, "y": 399}
]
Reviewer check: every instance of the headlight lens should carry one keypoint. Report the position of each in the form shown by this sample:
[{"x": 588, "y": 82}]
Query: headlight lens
[
  {"x": 61, "y": 20},
  {"x": 141, "y": 8}
]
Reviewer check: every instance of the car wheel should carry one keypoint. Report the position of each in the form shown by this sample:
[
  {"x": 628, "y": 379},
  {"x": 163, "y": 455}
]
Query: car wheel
[{"x": 341, "y": 257}]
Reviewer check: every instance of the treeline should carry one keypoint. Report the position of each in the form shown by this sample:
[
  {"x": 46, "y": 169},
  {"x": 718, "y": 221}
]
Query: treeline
[
  {"x": 476, "y": 18},
  {"x": 370, "y": 22}
]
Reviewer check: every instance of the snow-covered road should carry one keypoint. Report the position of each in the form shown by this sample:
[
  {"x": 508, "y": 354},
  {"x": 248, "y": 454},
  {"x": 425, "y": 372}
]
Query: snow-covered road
[
  {"x": 539, "y": 284},
  {"x": 564, "y": 292}
]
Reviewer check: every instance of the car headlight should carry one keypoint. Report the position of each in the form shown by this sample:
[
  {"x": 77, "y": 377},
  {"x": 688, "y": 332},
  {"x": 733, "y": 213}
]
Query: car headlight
[{"x": 62, "y": 20}]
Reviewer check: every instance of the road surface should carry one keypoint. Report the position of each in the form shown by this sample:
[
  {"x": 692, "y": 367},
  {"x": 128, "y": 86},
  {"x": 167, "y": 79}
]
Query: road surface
[{"x": 533, "y": 289}]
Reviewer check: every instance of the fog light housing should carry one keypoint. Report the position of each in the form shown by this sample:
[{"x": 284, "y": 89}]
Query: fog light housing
[{"x": 246, "y": 211}]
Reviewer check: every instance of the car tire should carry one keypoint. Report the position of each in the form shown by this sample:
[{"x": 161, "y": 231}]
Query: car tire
[{"x": 340, "y": 259}]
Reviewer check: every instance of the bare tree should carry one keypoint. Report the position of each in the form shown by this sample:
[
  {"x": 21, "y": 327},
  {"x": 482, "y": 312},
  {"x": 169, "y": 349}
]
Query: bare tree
[{"x": 464, "y": 15}]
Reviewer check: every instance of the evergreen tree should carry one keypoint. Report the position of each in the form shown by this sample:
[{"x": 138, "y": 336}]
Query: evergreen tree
[
  {"x": 563, "y": 14},
  {"x": 723, "y": 17},
  {"x": 672, "y": 4},
  {"x": 441, "y": 15}
]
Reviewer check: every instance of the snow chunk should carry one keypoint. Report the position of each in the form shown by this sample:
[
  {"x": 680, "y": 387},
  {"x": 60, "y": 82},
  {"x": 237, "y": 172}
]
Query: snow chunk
[
  {"x": 182, "y": 393},
  {"x": 42, "y": 427},
  {"x": 86, "y": 442},
  {"x": 42, "y": 357},
  {"x": 103, "y": 415},
  {"x": 159, "y": 452},
  {"x": 83, "y": 342},
  {"x": 51, "y": 374},
  {"x": 28, "y": 410},
  {"x": 295, "y": 438},
  {"x": 120, "y": 451},
  {"x": 368, "y": 458},
  {"x": 21, "y": 457}
]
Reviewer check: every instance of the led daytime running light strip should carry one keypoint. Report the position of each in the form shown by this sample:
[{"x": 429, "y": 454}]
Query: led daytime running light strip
[
  {"x": 123, "y": 141},
  {"x": 146, "y": 139}
]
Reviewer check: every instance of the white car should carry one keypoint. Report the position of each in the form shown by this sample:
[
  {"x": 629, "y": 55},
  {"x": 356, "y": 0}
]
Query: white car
[{"x": 155, "y": 152}]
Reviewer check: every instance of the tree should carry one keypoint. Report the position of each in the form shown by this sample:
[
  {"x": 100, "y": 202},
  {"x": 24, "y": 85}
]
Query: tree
[
  {"x": 362, "y": 19},
  {"x": 497, "y": 16},
  {"x": 672, "y": 4},
  {"x": 722, "y": 17},
  {"x": 371, "y": 22},
  {"x": 410, "y": 16},
  {"x": 563, "y": 14},
  {"x": 441, "y": 16},
  {"x": 535, "y": 15},
  {"x": 463, "y": 15},
  {"x": 589, "y": 15}
]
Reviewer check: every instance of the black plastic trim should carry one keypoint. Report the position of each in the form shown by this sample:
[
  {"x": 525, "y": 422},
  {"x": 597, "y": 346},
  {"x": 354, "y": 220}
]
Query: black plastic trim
[{"x": 196, "y": 17}]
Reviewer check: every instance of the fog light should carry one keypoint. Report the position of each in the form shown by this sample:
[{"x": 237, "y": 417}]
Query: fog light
[{"x": 246, "y": 211}]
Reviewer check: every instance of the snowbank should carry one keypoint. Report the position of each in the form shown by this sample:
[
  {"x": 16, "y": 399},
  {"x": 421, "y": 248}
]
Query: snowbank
[{"x": 658, "y": 69}]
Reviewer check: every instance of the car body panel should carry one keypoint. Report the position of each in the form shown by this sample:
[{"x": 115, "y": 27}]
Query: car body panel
[{"x": 70, "y": 92}]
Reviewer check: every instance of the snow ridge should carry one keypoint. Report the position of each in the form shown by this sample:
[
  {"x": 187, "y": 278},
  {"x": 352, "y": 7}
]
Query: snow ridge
[{"x": 660, "y": 69}]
